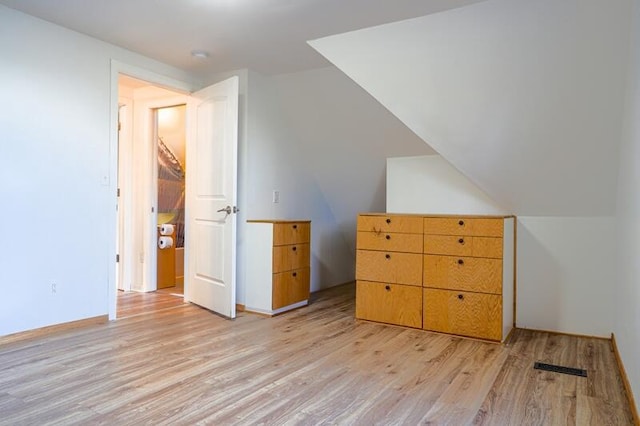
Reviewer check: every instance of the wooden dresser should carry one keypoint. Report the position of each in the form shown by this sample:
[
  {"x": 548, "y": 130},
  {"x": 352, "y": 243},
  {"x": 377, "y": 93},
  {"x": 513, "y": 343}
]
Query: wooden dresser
[
  {"x": 441, "y": 273},
  {"x": 279, "y": 264}
]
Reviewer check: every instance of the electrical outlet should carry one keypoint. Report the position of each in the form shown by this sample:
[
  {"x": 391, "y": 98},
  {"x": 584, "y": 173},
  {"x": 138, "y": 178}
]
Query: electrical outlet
[
  {"x": 54, "y": 288},
  {"x": 276, "y": 196}
]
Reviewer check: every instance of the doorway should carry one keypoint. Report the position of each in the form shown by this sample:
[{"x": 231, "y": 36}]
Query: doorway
[
  {"x": 170, "y": 125},
  {"x": 151, "y": 187},
  {"x": 211, "y": 188}
]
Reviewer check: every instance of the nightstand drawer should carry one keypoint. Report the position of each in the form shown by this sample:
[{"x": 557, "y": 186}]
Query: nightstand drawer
[
  {"x": 286, "y": 258},
  {"x": 482, "y": 227},
  {"x": 291, "y": 233},
  {"x": 463, "y": 246},
  {"x": 389, "y": 267},
  {"x": 290, "y": 287},
  {"x": 464, "y": 313},
  {"x": 388, "y": 241},
  {"x": 400, "y": 224},
  {"x": 477, "y": 274},
  {"x": 389, "y": 303}
]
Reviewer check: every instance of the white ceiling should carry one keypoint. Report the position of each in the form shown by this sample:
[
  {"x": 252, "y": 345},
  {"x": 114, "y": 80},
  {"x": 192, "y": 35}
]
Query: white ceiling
[{"x": 268, "y": 36}]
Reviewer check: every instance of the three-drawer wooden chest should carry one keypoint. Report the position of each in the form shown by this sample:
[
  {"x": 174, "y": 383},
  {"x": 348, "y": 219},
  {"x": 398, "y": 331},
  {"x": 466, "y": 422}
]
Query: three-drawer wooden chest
[
  {"x": 451, "y": 274},
  {"x": 279, "y": 265}
]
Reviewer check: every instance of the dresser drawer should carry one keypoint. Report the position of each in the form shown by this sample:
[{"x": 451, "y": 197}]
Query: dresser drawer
[
  {"x": 483, "y": 227},
  {"x": 476, "y": 274},
  {"x": 289, "y": 257},
  {"x": 389, "y": 303},
  {"x": 463, "y": 246},
  {"x": 463, "y": 313},
  {"x": 400, "y": 224},
  {"x": 291, "y": 233},
  {"x": 290, "y": 287},
  {"x": 389, "y": 267},
  {"x": 388, "y": 241}
]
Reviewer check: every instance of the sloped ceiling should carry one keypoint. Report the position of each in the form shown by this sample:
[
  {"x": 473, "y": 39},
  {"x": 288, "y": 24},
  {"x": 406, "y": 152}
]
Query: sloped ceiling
[{"x": 525, "y": 98}]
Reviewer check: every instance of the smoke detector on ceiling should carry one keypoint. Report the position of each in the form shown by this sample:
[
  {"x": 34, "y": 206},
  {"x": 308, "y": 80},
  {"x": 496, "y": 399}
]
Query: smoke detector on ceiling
[{"x": 200, "y": 54}]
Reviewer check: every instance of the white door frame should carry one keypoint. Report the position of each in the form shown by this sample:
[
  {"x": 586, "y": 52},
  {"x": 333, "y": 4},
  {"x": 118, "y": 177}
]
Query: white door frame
[
  {"x": 156, "y": 79},
  {"x": 125, "y": 129}
]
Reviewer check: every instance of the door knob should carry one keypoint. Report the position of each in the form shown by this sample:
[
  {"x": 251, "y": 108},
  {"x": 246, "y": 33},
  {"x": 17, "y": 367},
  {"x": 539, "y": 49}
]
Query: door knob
[{"x": 227, "y": 210}]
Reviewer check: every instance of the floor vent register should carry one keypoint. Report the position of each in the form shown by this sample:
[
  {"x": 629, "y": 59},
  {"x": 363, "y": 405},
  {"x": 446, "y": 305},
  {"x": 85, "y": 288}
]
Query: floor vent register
[{"x": 560, "y": 369}]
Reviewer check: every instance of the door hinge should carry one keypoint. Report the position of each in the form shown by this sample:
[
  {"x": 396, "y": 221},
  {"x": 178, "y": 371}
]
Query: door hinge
[
  {"x": 117, "y": 258},
  {"x": 119, "y": 126},
  {"x": 118, "y": 192},
  {"x": 153, "y": 209}
]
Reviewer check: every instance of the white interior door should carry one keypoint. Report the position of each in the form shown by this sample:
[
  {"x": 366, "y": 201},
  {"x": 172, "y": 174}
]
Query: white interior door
[{"x": 210, "y": 247}]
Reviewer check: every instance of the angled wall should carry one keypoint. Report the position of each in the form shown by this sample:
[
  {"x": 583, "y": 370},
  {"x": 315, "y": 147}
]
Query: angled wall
[
  {"x": 526, "y": 100},
  {"x": 523, "y": 97}
]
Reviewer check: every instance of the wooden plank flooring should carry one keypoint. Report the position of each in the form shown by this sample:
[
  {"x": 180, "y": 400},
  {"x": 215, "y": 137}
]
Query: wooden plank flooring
[
  {"x": 316, "y": 365},
  {"x": 133, "y": 303}
]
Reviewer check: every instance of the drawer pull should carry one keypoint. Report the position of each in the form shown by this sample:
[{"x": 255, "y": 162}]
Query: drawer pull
[
  {"x": 388, "y": 237},
  {"x": 461, "y": 240},
  {"x": 295, "y": 274},
  {"x": 294, "y": 248},
  {"x": 460, "y": 262},
  {"x": 388, "y": 220},
  {"x": 461, "y": 296},
  {"x": 387, "y": 287},
  {"x": 295, "y": 226},
  {"x": 388, "y": 256},
  {"x": 461, "y": 222}
]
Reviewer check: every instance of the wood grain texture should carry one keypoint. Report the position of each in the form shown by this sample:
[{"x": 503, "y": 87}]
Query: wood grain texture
[
  {"x": 388, "y": 241},
  {"x": 521, "y": 395},
  {"x": 483, "y": 227},
  {"x": 316, "y": 365},
  {"x": 290, "y": 287},
  {"x": 132, "y": 303},
  {"x": 390, "y": 223},
  {"x": 625, "y": 381},
  {"x": 289, "y": 257},
  {"x": 463, "y": 246},
  {"x": 389, "y": 267},
  {"x": 291, "y": 233},
  {"x": 389, "y": 303},
  {"x": 52, "y": 329},
  {"x": 477, "y": 274},
  {"x": 463, "y": 313}
]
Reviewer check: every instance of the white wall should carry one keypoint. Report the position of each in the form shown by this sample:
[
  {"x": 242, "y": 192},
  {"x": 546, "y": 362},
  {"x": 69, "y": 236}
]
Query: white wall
[
  {"x": 278, "y": 161},
  {"x": 627, "y": 292},
  {"x": 566, "y": 274},
  {"x": 429, "y": 184},
  {"x": 344, "y": 137},
  {"x": 56, "y": 143}
]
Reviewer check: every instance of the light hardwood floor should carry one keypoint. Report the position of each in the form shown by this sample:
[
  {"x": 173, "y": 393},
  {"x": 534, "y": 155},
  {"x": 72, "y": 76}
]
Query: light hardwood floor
[
  {"x": 133, "y": 303},
  {"x": 315, "y": 365}
]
